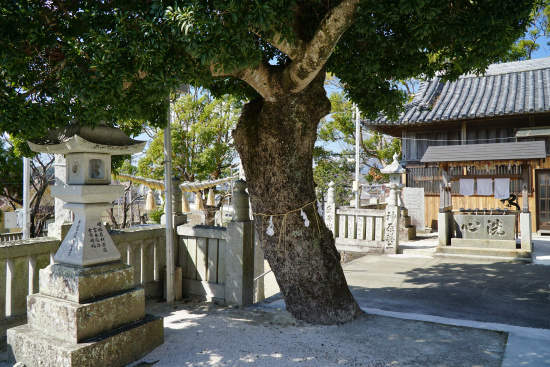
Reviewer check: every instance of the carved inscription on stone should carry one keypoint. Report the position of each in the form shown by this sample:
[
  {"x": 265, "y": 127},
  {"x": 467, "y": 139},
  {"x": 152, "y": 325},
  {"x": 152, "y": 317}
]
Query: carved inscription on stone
[
  {"x": 494, "y": 228},
  {"x": 379, "y": 230},
  {"x": 360, "y": 228},
  {"x": 329, "y": 218},
  {"x": 73, "y": 240},
  {"x": 413, "y": 199},
  {"x": 486, "y": 227},
  {"x": 472, "y": 227},
  {"x": 97, "y": 238},
  {"x": 369, "y": 230}
]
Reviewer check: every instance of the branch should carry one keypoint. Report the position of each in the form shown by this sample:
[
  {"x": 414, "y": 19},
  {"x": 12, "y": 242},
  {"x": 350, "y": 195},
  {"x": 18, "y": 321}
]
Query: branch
[
  {"x": 282, "y": 45},
  {"x": 258, "y": 78},
  {"x": 314, "y": 55}
]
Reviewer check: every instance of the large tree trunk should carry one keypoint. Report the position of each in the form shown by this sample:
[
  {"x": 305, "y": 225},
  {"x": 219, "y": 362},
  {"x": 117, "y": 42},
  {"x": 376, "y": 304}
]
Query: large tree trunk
[{"x": 275, "y": 141}]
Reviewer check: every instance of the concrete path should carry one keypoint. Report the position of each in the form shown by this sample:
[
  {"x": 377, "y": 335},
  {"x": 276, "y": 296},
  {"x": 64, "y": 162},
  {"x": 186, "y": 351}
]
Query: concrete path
[{"x": 507, "y": 297}]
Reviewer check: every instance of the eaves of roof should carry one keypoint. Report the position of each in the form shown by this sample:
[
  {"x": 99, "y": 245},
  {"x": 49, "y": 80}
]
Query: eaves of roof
[{"x": 513, "y": 89}]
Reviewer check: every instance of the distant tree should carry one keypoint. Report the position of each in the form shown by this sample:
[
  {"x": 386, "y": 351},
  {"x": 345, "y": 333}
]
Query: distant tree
[
  {"x": 539, "y": 30},
  {"x": 11, "y": 184},
  {"x": 202, "y": 146},
  {"x": 329, "y": 168},
  {"x": 376, "y": 150}
]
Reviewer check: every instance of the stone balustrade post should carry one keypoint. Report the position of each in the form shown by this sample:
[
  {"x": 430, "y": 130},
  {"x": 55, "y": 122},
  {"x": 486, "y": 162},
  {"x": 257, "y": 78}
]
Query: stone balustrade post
[
  {"x": 239, "y": 260},
  {"x": 392, "y": 219},
  {"x": 330, "y": 209}
]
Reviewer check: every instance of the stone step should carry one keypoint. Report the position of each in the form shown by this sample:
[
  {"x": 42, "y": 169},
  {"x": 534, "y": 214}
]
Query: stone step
[
  {"x": 416, "y": 251},
  {"x": 482, "y": 258},
  {"x": 406, "y": 221},
  {"x": 75, "y": 322},
  {"x": 492, "y": 252},
  {"x": 117, "y": 348},
  {"x": 479, "y": 243},
  {"x": 407, "y": 233}
]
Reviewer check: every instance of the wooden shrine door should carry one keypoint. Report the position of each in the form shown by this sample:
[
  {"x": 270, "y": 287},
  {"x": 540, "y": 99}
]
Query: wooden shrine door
[{"x": 543, "y": 199}]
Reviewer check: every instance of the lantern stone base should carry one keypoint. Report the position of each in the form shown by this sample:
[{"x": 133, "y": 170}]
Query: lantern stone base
[
  {"x": 91, "y": 316},
  {"x": 115, "y": 349}
]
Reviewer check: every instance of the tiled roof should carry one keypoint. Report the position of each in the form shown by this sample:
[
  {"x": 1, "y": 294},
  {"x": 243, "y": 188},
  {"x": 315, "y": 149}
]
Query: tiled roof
[
  {"x": 514, "y": 88},
  {"x": 489, "y": 152}
]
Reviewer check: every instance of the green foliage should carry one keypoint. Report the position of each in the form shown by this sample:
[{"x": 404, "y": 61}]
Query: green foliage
[
  {"x": 376, "y": 150},
  {"x": 338, "y": 170},
  {"x": 11, "y": 173},
  {"x": 524, "y": 47},
  {"x": 202, "y": 147},
  {"x": 155, "y": 215},
  {"x": 86, "y": 62}
]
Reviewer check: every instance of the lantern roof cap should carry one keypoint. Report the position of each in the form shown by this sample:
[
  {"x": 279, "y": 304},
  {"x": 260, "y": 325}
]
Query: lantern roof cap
[
  {"x": 84, "y": 139},
  {"x": 394, "y": 167}
]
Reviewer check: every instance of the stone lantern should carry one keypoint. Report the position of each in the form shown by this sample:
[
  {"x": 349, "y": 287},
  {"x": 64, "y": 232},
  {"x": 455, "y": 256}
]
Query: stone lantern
[
  {"x": 87, "y": 193},
  {"x": 395, "y": 170},
  {"x": 88, "y": 311}
]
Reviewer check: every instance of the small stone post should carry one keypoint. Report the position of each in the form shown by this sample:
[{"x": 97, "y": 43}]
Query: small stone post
[
  {"x": 330, "y": 209},
  {"x": 239, "y": 258},
  {"x": 393, "y": 212}
]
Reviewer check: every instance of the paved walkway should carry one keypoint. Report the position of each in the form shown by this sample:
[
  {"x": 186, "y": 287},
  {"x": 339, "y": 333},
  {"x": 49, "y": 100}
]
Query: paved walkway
[{"x": 500, "y": 296}]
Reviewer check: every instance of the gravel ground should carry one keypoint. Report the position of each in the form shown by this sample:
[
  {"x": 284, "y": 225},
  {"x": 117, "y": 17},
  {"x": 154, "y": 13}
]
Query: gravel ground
[{"x": 200, "y": 334}]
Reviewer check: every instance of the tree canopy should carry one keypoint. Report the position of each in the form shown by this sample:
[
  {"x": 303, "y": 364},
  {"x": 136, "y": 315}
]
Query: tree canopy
[
  {"x": 114, "y": 60},
  {"x": 92, "y": 61},
  {"x": 202, "y": 147}
]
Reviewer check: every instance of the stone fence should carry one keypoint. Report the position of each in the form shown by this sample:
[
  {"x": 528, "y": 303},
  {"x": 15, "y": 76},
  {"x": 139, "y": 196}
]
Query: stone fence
[
  {"x": 217, "y": 263},
  {"x": 5, "y": 237},
  {"x": 363, "y": 230}
]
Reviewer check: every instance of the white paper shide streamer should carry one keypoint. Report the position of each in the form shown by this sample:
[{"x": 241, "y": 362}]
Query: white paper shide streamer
[
  {"x": 320, "y": 209},
  {"x": 306, "y": 221},
  {"x": 270, "y": 229}
]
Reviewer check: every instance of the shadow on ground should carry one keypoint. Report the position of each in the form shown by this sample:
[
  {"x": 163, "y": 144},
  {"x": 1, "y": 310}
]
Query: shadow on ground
[{"x": 506, "y": 293}]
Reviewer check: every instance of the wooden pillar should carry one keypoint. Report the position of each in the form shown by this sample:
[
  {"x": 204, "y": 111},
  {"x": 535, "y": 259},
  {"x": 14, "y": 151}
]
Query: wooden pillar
[
  {"x": 404, "y": 155},
  {"x": 525, "y": 216},
  {"x": 525, "y": 188},
  {"x": 444, "y": 191}
]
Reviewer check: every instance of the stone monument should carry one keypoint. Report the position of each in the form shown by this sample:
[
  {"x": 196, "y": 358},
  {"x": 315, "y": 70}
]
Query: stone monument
[
  {"x": 413, "y": 198},
  {"x": 88, "y": 312}
]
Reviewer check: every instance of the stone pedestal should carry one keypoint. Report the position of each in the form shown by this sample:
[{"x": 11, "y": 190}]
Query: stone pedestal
[
  {"x": 525, "y": 231},
  {"x": 90, "y": 316},
  {"x": 445, "y": 228}
]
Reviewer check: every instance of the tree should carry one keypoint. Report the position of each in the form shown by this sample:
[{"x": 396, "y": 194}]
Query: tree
[
  {"x": 329, "y": 168},
  {"x": 539, "y": 29},
  {"x": 111, "y": 60},
  {"x": 11, "y": 185},
  {"x": 202, "y": 147},
  {"x": 376, "y": 150}
]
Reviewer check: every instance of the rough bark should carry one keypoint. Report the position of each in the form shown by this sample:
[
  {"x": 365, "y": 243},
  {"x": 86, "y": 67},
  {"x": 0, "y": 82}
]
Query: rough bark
[{"x": 275, "y": 141}]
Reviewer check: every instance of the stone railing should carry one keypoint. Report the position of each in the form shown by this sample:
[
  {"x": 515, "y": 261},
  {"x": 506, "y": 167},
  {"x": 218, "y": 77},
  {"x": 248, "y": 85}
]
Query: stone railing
[
  {"x": 5, "y": 237},
  {"x": 145, "y": 249},
  {"x": 362, "y": 230},
  {"x": 20, "y": 262},
  {"x": 218, "y": 263}
]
